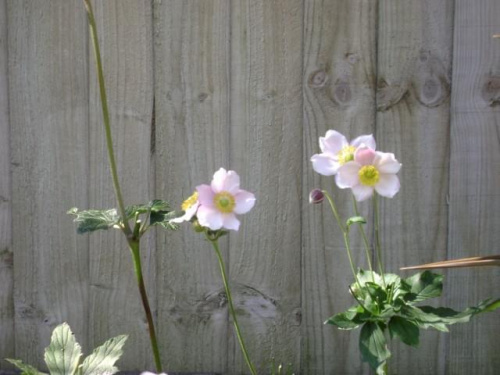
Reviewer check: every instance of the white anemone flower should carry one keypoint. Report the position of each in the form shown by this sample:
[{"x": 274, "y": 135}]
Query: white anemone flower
[
  {"x": 189, "y": 206},
  {"x": 336, "y": 150},
  {"x": 222, "y": 200},
  {"x": 370, "y": 171}
]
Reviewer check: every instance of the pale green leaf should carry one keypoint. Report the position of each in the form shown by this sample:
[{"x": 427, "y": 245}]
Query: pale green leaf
[
  {"x": 103, "y": 358},
  {"x": 63, "y": 354},
  {"x": 25, "y": 369},
  {"x": 373, "y": 345}
]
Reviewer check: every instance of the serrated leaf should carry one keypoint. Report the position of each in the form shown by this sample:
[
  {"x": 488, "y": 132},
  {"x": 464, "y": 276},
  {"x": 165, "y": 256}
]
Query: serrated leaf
[
  {"x": 63, "y": 354},
  {"x": 163, "y": 218},
  {"x": 423, "y": 286},
  {"x": 156, "y": 205},
  {"x": 92, "y": 220},
  {"x": 25, "y": 369},
  {"x": 347, "y": 320},
  {"x": 103, "y": 358},
  {"x": 407, "y": 331},
  {"x": 355, "y": 220},
  {"x": 373, "y": 345}
]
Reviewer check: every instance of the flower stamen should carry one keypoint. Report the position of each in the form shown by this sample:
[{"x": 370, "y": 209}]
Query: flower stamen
[
  {"x": 346, "y": 154},
  {"x": 224, "y": 202},
  {"x": 188, "y": 203},
  {"x": 369, "y": 175}
]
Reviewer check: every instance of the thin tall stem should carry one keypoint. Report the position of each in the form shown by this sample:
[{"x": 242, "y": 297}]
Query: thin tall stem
[
  {"x": 365, "y": 239},
  {"x": 215, "y": 245},
  {"x": 377, "y": 239},
  {"x": 334, "y": 210},
  {"x": 134, "y": 246},
  {"x": 105, "y": 116}
]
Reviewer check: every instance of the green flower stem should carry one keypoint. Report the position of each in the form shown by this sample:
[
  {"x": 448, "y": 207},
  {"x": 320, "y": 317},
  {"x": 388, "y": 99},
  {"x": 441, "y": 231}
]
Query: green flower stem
[
  {"x": 365, "y": 239},
  {"x": 105, "y": 116},
  {"x": 345, "y": 232},
  {"x": 215, "y": 245},
  {"x": 377, "y": 239},
  {"x": 135, "y": 250}
]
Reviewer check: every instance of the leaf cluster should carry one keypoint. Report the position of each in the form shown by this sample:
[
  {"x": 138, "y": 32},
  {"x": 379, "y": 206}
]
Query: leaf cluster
[
  {"x": 64, "y": 356},
  {"x": 157, "y": 211},
  {"x": 386, "y": 307}
]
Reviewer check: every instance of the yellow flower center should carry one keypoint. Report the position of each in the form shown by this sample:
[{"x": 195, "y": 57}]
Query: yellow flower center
[
  {"x": 190, "y": 201},
  {"x": 368, "y": 175},
  {"x": 346, "y": 154},
  {"x": 224, "y": 202}
]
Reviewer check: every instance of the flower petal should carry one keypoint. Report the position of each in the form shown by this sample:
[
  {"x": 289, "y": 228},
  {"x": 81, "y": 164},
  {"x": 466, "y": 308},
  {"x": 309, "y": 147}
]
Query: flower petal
[
  {"x": 232, "y": 182},
  {"x": 218, "y": 180},
  {"x": 188, "y": 215},
  {"x": 387, "y": 163},
  {"x": 347, "y": 175},
  {"x": 332, "y": 142},
  {"x": 209, "y": 217},
  {"x": 229, "y": 221},
  {"x": 244, "y": 202},
  {"x": 364, "y": 155},
  {"x": 205, "y": 195},
  {"x": 367, "y": 140},
  {"x": 388, "y": 185},
  {"x": 324, "y": 164},
  {"x": 362, "y": 192}
]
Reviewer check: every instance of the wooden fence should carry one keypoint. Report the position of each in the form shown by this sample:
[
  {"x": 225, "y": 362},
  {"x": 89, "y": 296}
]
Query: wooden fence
[{"x": 250, "y": 85}]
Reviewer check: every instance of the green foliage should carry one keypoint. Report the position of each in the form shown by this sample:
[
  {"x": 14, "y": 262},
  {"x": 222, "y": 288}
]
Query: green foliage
[
  {"x": 355, "y": 220},
  {"x": 157, "y": 211},
  {"x": 63, "y": 356},
  {"x": 389, "y": 308}
]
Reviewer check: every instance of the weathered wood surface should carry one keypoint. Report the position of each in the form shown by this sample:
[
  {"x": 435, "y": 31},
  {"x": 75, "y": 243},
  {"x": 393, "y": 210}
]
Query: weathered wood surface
[
  {"x": 6, "y": 256},
  {"x": 413, "y": 81},
  {"x": 339, "y": 93},
  {"x": 195, "y": 85},
  {"x": 474, "y": 180},
  {"x": 125, "y": 35},
  {"x": 48, "y": 100}
]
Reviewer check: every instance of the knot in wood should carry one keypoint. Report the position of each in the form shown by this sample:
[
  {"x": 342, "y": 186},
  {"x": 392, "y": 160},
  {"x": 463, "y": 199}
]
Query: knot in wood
[
  {"x": 490, "y": 91},
  {"x": 318, "y": 79},
  {"x": 342, "y": 92}
]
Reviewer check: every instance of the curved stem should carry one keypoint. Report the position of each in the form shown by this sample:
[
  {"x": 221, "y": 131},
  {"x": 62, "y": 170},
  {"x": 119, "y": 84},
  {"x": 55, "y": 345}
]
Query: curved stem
[
  {"x": 377, "y": 239},
  {"x": 105, "y": 115},
  {"x": 231, "y": 307},
  {"x": 334, "y": 210},
  {"x": 365, "y": 239},
  {"x": 348, "y": 247},
  {"x": 135, "y": 250}
]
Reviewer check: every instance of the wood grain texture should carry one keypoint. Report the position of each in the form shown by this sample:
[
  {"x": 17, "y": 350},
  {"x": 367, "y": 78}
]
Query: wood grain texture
[
  {"x": 192, "y": 141},
  {"x": 7, "y": 343},
  {"x": 414, "y": 68},
  {"x": 474, "y": 183},
  {"x": 48, "y": 112},
  {"x": 125, "y": 36},
  {"x": 339, "y": 93},
  {"x": 266, "y": 143}
]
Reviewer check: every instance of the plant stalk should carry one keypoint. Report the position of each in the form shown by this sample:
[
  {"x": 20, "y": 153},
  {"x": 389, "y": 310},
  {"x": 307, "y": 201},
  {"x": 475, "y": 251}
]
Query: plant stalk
[
  {"x": 105, "y": 116},
  {"x": 365, "y": 239},
  {"x": 134, "y": 246},
  {"x": 215, "y": 245},
  {"x": 377, "y": 239}
]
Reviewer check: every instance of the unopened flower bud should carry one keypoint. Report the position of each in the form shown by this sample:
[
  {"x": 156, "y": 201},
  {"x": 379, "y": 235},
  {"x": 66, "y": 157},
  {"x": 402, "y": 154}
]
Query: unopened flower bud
[{"x": 316, "y": 196}]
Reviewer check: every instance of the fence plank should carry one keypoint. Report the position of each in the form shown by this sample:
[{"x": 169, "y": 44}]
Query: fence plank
[
  {"x": 339, "y": 93},
  {"x": 414, "y": 64},
  {"x": 6, "y": 256},
  {"x": 125, "y": 31},
  {"x": 192, "y": 141},
  {"x": 48, "y": 114},
  {"x": 266, "y": 139},
  {"x": 474, "y": 182}
]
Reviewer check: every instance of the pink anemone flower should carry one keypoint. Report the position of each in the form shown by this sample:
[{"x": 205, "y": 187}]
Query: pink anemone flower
[
  {"x": 370, "y": 171},
  {"x": 222, "y": 200}
]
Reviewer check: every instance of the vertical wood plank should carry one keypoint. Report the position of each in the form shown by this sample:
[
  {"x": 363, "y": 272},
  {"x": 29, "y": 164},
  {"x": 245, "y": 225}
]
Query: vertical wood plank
[
  {"x": 6, "y": 255},
  {"x": 474, "y": 182},
  {"x": 125, "y": 35},
  {"x": 266, "y": 144},
  {"x": 414, "y": 68},
  {"x": 192, "y": 142},
  {"x": 339, "y": 93},
  {"x": 48, "y": 113}
]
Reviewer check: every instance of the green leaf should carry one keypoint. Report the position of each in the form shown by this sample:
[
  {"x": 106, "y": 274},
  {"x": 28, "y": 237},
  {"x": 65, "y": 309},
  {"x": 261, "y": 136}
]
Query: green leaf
[
  {"x": 103, "y": 358},
  {"x": 423, "y": 286},
  {"x": 407, "y": 331},
  {"x": 347, "y": 320},
  {"x": 156, "y": 205},
  {"x": 373, "y": 345},
  {"x": 63, "y": 354},
  {"x": 92, "y": 220},
  {"x": 355, "y": 220},
  {"x": 163, "y": 218},
  {"x": 25, "y": 369}
]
